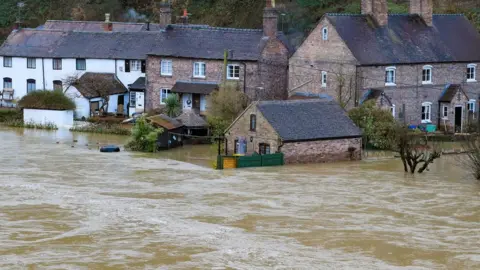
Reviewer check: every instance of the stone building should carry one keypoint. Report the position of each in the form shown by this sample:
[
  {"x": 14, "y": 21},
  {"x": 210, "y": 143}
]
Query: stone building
[
  {"x": 405, "y": 61},
  {"x": 305, "y": 131},
  {"x": 189, "y": 61}
]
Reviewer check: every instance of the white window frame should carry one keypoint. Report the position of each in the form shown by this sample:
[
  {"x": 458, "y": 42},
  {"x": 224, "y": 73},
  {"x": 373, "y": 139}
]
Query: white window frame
[
  {"x": 325, "y": 33},
  {"x": 428, "y": 105},
  {"x": 324, "y": 79},
  {"x": 430, "y": 69},
  {"x": 200, "y": 65},
  {"x": 471, "y": 105},
  {"x": 135, "y": 65},
  {"x": 231, "y": 71},
  {"x": 392, "y": 110},
  {"x": 166, "y": 67},
  {"x": 394, "y": 70},
  {"x": 474, "y": 67},
  {"x": 164, "y": 92},
  {"x": 445, "y": 112}
]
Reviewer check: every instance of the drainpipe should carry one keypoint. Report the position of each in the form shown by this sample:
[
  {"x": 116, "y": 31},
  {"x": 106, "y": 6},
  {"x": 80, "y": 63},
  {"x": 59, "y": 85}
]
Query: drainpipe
[{"x": 43, "y": 72}]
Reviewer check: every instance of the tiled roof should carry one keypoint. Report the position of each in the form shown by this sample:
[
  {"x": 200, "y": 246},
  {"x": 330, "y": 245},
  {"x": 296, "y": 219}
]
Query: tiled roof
[
  {"x": 407, "y": 39},
  {"x": 90, "y": 84},
  {"x": 139, "y": 84},
  {"x": 308, "y": 119},
  {"x": 165, "y": 121},
  {"x": 96, "y": 26},
  {"x": 192, "y": 120},
  {"x": 189, "y": 41},
  {"x": 203, "y": 88}
]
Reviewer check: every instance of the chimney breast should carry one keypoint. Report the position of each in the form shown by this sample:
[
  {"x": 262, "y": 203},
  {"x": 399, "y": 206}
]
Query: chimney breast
[
  {"x": 107, "y": 25},
  {"x": 378, "y": 9},
  {"x": 424, "y": 8},
  {"x": 165, "y": 9},
  {"x": 270, "y": 19}
]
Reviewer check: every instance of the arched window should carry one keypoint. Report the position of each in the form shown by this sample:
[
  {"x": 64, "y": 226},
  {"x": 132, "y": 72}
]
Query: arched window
[
  {"x": 31, "y": 85},
  {"x": 325, "y": 33},
  {"x": 253, "y": 122},
  {"x": 57, "y": 86},
  {"x": 427, "y": 75},
  {"x": 7, "y": 83},
  {"x": 390, "y": 76}
]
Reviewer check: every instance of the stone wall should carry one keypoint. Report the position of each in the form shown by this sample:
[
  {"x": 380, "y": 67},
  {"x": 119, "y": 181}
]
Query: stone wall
[
  {"x": 322, "y": 151},
  {"x": 264, "y": 132}
]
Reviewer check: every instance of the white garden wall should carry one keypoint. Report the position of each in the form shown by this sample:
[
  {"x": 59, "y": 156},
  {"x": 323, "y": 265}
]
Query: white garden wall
[{"x": 59, "y": 118}]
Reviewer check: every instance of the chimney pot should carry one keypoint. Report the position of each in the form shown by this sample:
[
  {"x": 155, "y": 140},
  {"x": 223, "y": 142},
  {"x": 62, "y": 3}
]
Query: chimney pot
[{"x": 107, "y": 25}]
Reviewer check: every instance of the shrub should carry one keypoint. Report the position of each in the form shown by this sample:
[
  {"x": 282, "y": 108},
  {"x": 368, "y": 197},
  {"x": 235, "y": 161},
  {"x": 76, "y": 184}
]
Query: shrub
[
  {"x": 227, "y": 103},
  {"x": 46, "y": 100},
  {"x": 7, "y": 115},
  {"x": 172, "y": 105},
  {"x": 102, "y": 129},
  {"x": 144, "y": 136},
  {"x": 32, "y": 125},
  {"x": 106, "y": 120}
]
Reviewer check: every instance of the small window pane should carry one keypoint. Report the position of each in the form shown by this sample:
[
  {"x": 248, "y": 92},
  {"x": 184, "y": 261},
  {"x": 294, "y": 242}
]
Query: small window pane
[
  {"x": 253, "y": 122},
  {"x": 166, "y": 68},
  {"x": 233, "y": 72},
  {"x": 7, "y": 83},
  {"x": 81, "y": 64},
  {"x": 199, "y": 69},
  {"x": 31, "y": 63},
  {"x": 7, "y": 61},
  {"x": 31, "y": 85},
  {"x": 163, "y": 95},
  {"x": 135, "y": 65},
  {"x": 57, "y": 86},
  {"x": 57, "y": 64},
  {"x": 133, "y": 99}
]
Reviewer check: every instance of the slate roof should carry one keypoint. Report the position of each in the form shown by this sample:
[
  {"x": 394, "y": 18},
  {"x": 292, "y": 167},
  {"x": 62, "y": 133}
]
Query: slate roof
[
  {"x": 192, "y": 120},
  {"x": 107, "y": 81},
  {"x": 139, "y": 84},
  {"x": 203, "y": 88},
  {"x": 188, "y": 41},
  {"x": 449, "y": 92},
  {"x": 165, "y": 121},
  {"x": 97, "y": 26},
  {"x": 309, "y": 119},
  {"x": 407, "y": 39}
]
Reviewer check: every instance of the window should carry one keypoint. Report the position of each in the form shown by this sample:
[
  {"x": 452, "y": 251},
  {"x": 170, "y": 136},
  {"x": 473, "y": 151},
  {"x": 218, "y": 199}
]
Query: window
[
  {"x": 325, "y": 33},
  {"x": 163, "y": 95},
  {"x": 199, "y": 70},
  {"x": 7, "y": 61},
  {"x": 81, "y": 64},
  {"x": 133, "y": 99},
  {"x": 426, "y": 112},
  {"x": 390, "y": 76},
  {"x": 57, "y": 64},
  {"x": 253, "y": 122},
  {"x": 166, "y": 68},
  {"x": 31, "y": 85},
  {"x": 445, "y": 111},
  {"x": 264, "y": 149},
  {"x": 233, "y": 72},
  {"x": 57, "y": 86},
  {"x": 392, "y": 110},
  {"x": 427, "y": 75},
  {"x": 31, "y": 63},
  {"x": 7, "y": 83},
  {"x": 135, "y": 65},
  {"x": 471, "y": 73},
  {"x": 324, "y": 79},
  {"x": 471, "y": 105}
]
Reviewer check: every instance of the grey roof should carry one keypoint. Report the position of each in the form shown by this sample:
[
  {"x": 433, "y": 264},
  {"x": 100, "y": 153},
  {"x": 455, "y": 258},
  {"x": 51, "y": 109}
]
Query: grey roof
[
  {"x": 407, "y": 39},
  {"x": 308, "y": 119},
  {"x": 165, "y": 121},
  {"x": 139, "y": 84},
  {"x": 189, "y": 41},
  {"x": 90, "y": 85},
  {"x": 450, "y": 91},
  {"x": 192, "y": 120},
  {"x": 203, "y": 88},
  {"x": 97, "y": 26}
]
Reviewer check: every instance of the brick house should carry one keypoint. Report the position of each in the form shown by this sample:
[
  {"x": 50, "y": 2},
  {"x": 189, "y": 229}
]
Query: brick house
[
  {"x": 305, "y": 131},
  {"x": 189, "y": 61},
  {"x": 407, "y": 63}
]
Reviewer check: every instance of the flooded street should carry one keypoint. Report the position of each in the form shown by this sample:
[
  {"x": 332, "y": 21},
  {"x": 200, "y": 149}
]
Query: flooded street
[{"x": 76, "y": 208}]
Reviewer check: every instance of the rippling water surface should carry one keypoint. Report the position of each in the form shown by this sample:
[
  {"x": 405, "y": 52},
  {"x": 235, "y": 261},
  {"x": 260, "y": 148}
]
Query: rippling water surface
[{"x": 76, "y": 208}]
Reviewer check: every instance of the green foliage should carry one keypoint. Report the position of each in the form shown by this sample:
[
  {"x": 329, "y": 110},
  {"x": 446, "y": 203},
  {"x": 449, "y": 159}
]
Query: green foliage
[
  {"x": 378, "y": 125},
  {"x": 102, "y": 128},
  {"x": 10, "y": 115},
  {"x": 32, "y": 125},
  {"x": 172, "y": 106},
  {"x": 227, "y": 103},
  {"x": 144, "y": 136},
  {"x": 46, "y": 100}
]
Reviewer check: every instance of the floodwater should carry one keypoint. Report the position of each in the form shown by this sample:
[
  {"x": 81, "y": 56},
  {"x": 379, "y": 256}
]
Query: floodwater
[{"x": 76, "y": 208}]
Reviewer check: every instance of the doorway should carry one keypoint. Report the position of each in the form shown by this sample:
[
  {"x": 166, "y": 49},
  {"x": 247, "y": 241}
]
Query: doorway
[{"x": 458, "y": 119}]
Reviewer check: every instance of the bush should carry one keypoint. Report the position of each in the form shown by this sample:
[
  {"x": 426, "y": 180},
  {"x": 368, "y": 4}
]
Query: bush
[
  {"x": 32, "y": 125},
  {"x": 144, "y": 136},
  {"x": 172, "y": 106},
  {"x": 227, "y": 103},
  {"x": 7, "y": 115},
  {"x": 46, "y": 100},
  {"x": 378, "y": 125},
  {"x": 106, "y": 120},
  {"x": 102, "y": 129}
]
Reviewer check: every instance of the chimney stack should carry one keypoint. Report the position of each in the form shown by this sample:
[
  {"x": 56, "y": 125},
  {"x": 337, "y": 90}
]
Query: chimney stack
[
  {"x": 165, "y": 9},
  {"x": 378, "y": 9},
  {"x": 424, "y": 8},
  {"x": 107, "y": 25},
  {"x": 270, "y": 19}
]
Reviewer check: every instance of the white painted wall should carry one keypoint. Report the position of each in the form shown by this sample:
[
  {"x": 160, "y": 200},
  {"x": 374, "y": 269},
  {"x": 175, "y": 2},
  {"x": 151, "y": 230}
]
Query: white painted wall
[
  {"x": 59, "y": 118},
  {"x": 83, "y": 105}
]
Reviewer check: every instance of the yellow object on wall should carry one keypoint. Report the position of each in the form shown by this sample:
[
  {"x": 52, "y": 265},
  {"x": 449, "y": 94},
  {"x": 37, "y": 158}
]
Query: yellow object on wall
[{"x": 229, "y": 163}]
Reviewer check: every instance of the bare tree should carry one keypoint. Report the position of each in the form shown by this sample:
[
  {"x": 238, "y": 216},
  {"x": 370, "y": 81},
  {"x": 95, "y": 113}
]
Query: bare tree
[{"x": 344, "y": 89}]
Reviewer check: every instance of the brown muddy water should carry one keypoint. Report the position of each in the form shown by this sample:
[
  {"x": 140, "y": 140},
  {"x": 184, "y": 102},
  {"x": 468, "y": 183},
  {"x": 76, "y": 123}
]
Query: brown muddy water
[{"x": 76, "y": 208}]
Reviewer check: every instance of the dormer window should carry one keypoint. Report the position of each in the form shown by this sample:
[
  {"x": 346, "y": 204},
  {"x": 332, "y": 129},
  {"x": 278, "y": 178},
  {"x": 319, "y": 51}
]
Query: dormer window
[
  {"x": 390, "y": 76},
  {"x": 471, "y": 73},
  {"x": 427, "y": 75},
  {"x": 325, "y": 33}
]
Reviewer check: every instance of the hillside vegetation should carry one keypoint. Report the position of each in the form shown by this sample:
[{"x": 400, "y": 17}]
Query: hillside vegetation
[{"x": 298, "y": 16}]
